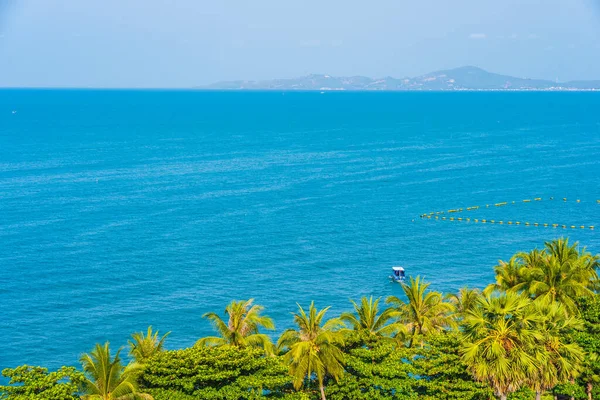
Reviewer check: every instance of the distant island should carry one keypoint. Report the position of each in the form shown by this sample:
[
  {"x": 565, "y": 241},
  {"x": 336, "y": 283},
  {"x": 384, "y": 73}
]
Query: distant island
[{"x": 463, "y": 78}]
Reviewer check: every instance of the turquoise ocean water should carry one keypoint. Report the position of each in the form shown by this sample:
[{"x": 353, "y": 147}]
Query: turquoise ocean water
[{"x": 120, "y": 209}]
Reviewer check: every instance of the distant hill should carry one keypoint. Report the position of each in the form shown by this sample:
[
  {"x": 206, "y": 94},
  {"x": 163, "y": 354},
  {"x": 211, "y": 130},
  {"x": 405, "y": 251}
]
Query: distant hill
[{"x": 463, "y": 78}]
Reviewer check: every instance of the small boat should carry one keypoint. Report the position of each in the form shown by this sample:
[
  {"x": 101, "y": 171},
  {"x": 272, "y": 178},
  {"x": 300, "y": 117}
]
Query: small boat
[{"x": 398, "y": 274}]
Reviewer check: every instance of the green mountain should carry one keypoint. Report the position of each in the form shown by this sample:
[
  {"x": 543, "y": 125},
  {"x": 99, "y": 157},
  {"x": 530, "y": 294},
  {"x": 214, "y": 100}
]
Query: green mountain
[{"x": 463, "y": 78}]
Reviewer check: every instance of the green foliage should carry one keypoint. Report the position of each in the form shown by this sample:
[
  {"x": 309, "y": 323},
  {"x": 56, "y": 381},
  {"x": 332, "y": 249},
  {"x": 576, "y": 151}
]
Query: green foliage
[
  {"x": 371, "y": 324},
  {"x": 589, "y": 339},
  {"x": 425, "y": 313},
  {"x": 560, "y": 272},
  {"x": 523, "y": 393},
  {"x": 142, "y": 347},
  {"x": 242, "y": 328},
  {"x": 36, "y": 383},
  {"x": 463, "y": 301},
  {"x": 314, "y": 348},
  {"x": 557, "y": 359},
  {"x": 498, "y": 338},
  {"x": 441, "y": 372},
  {"x": 225, "y": 372},
  {"x": 107, "y": 379},
  {"x": 379, "y": 372},
  {"x": 570, "y": 390}
]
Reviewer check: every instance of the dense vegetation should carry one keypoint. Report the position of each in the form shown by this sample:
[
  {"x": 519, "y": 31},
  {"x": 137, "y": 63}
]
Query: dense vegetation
[{"x": 534, "y": 333}]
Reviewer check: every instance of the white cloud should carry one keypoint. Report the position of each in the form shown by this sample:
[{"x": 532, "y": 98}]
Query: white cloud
[
  {"x": 533, "y": 36},
  {"x": 477, "y": 36}
]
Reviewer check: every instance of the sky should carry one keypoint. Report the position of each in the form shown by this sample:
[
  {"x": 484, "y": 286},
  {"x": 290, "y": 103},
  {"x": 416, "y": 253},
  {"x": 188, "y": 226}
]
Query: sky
[{"x": 187, "y": 43}]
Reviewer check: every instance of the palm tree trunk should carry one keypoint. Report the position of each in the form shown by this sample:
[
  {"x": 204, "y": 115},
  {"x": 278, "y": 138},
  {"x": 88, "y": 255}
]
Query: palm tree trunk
[
  {"x": 588, "y": 390},
  {"x": 503, "y": 397},
  {"x": 322, "y": 388},
  {"x": 412, "y": 337},
  {"x": 538, "y": 395}
]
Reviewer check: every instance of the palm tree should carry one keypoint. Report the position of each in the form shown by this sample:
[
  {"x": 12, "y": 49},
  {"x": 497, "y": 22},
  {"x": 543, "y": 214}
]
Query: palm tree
[
  {"x": 509, "y": 275},
  {"x": 313, "y": 348},
  {"x": 464, "y": 300},
  {"x": 107, "y": 379},
  {"x": 563, "y": 274},
  {"x": 368, "y": 321},
  {"x": 242, "y": 327},
  {"x": 558, "y": 361},
  {"x": 499, "y": 336},
  {"x": 425, "y": 313},
  {"x": 145, "y": 346}
]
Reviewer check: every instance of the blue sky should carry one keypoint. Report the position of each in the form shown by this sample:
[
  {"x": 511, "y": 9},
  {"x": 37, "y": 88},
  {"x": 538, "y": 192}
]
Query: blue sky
[{"x": 183, "y": 43}]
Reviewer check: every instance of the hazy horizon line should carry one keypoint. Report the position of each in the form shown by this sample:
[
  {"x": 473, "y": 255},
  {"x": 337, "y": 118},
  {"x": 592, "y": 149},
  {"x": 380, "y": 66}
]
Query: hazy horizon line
[{"x": 208, "y": 89}]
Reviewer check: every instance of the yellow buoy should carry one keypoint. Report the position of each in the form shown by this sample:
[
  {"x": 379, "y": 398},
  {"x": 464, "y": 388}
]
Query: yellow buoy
[
  {"x": 564, "y": 199},
  {"x": 538, "y": 199},
  {"x": 526, "y": 201}
]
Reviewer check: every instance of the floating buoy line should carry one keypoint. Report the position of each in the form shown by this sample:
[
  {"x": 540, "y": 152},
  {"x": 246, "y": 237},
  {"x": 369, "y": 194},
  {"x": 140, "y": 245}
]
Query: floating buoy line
[{"x": 442, "y": 215}]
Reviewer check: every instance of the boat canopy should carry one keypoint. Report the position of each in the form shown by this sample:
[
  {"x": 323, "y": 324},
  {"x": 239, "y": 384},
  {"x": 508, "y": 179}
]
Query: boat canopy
[{"x": 398, "y": 269}]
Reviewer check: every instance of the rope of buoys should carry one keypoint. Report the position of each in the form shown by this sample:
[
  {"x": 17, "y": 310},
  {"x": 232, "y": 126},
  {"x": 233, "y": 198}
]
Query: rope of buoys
[
  {"x": 501, "y": 204},
  {"x": 436, "y": 215}
]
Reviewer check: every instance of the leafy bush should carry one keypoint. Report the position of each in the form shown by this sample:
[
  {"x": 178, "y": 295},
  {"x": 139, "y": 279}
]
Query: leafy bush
[
  {"x": 224, "y": 372},
  {"x": 36, "y": 383}
]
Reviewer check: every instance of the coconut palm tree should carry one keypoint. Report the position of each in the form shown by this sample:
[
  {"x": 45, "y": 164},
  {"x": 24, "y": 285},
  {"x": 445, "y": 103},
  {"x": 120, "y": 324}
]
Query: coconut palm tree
[
  {"x": 142, "y": 347},
  {"x": 464, "y": 300},
  {"x": 563, "y": 274},
  {"x": 509, "y": 275},
  {"x": 242, "y": 327},
  {"x": 499, "y": 337},
  {"x": 107, "y": 379},
  {"x": 313, "y": 348},
  {"x": 372, "y": 324},
  {"x": 425, "y": 313},
  {"x": 558, "y": 360}
]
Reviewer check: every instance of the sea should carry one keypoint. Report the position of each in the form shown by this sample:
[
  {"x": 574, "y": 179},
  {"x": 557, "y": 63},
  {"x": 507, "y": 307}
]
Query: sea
[{"x": 121, "y": 209}]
